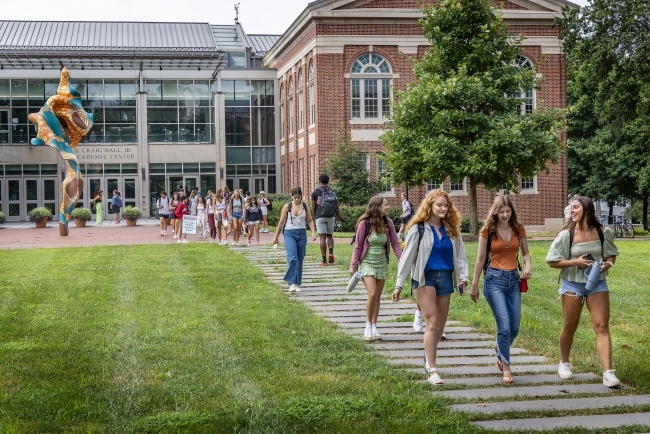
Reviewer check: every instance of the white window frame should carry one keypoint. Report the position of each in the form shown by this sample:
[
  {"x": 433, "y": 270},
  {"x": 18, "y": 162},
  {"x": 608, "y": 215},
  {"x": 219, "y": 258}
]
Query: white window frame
[
  {"x": 368, "y": 68},
  {"x": 528, "y": 190},
  {"x": 292, "y": 109},
  {"x": 311, "y": 102},
  {"x": 435, "y": 185},
  {"x": 301, "y": 103},
  {"x": 456, "y": 192},
  {"x": 386, "y": 189},
  {"x": 312, "y": 171},
  {"x": 528, "y": 98},
  {"x": 282, "y": 113}
]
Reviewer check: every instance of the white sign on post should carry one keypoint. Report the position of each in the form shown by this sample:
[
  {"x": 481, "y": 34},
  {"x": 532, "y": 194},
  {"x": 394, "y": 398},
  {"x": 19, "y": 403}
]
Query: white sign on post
[{"x": 189, "y": 224}]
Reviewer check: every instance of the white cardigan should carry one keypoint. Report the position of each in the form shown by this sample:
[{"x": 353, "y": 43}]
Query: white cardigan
[{"x": 417, "y": 265}]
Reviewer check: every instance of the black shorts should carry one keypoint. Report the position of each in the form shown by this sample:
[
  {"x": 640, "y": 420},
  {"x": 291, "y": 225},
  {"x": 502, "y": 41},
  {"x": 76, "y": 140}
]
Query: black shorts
[
  {"x": 116, "y": 209},
  {"x": 406, "y": 219},
  {"x": 163, "y": 216}
]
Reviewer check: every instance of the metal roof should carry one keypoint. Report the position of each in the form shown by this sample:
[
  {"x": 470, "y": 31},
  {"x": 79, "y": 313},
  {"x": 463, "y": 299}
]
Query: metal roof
[
  {"x": 227, "y": 38},
  {"x": 260, "y": 44},
  {"x": 105, "y": 36}
]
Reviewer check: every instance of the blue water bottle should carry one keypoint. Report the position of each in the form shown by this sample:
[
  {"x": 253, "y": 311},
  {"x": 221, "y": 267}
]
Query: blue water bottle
[
  {"x": 593, "y": 275},
  {"x": 354, "y": 279}
]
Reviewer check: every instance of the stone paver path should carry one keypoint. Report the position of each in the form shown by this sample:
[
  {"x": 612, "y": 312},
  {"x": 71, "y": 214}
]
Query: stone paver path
[{"x": 466, "y": 360}]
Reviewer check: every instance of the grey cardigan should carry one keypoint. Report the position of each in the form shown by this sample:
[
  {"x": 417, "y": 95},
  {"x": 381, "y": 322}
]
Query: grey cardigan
[{"x": 415, "y": 261}]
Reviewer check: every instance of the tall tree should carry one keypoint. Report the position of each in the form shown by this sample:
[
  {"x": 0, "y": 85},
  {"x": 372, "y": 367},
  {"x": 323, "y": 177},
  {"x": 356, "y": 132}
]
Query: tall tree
[
  {"x": 608, "y": 65},
  {"x": 461, "y": 117},
  {"x": 347, "y": 168}
]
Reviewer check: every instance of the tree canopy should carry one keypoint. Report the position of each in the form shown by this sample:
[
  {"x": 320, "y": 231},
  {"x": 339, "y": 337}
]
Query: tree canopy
[
  {"x": 608, "y": 65},
  {"x": 462, "y": 116}
]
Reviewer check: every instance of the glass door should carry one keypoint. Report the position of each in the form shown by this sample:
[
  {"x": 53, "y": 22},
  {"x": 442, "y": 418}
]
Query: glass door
[
  {"x": 244, "y": 184},
  {"x": 190, "y": 184},
  {"x": 31, "y": 194},
  {"x": 156, "y": 185},
  {"x": 94, "y": 187},
  {"x": 128, "y": 195},
  {"x": 4, "y": 126},
  {"x": 175, "y": 182},
  {"x": 111, "y": 184},
  {"x": 259, "y": 185},
  {"x": 14, "y": 192},
  {"x": 49, "y": 196}
]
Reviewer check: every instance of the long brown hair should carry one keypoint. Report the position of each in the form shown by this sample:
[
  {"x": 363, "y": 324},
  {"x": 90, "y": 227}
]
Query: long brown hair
[
  {"x": 373, "y": 213},
  {"x": 451, "y": 220},
  {"x": 492, "y": 217},
  {"x": 588, "y": 218}
]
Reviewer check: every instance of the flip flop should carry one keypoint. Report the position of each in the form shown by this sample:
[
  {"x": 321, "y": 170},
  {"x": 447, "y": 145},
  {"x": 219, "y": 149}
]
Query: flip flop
[{"x": 507, "y": 378}]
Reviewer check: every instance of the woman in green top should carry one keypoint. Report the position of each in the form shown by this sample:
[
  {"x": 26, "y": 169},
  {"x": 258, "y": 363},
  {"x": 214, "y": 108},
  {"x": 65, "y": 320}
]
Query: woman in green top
[{"x": 584, "y": 242}]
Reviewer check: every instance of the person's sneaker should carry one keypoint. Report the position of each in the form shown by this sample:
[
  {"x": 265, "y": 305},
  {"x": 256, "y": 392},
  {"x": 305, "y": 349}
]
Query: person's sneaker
[
  {"x": 297, "y": 289},
  {"x": 292, "y": 287},
  {"x": 367, "y": 335},
  {"x": 610, "y": 380},
  {"x": 564, "y": 371},
  {"x": 234, "y": 243},
  {"x": 330, "y": 258},
  {"x": 175, "y": 236},
  {"x": 173, "y": 231},
  {"x": 417, "y": 322},
  {"x": 444, "y": 335},
  {"x": 375, "y": 333},
  {"x": 178, "y": 241},
  {"x": 165, "y": 233},
  {"x": 161, "y": 233},
  {"x": 323, "y": 264},
  {"x": 185, "y": 241}
]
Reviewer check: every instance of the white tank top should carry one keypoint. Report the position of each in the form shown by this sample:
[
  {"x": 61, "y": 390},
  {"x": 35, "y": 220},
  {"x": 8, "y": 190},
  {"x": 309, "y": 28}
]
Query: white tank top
[
  {"x": 220, "y": 206},
  {"x": 210, "y": 208},
  {"x": 296, "y": 222}
]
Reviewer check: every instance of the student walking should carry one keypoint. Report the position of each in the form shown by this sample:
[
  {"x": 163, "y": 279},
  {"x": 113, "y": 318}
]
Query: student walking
[
  {"x": 436, "y": 260},
  {"x": 182, "y": 209},
  {"x": 237, "y": 212},
  {"x": 99, "y": 212},
  {"x": 116, "y": 204},
  {"x": 253, "y": 218},
  {"x": 211, "y": 218},
  {"x": 499, "y": 243},
  {"x": 176, "y": 200},
  {"x": 326, "y": 210},
  {"x": 201, "y": 215},
  {"x": 582, "y": 245},
  {"x": 162, "y": 204},
  {"x": 265, "y": 204},
  {"x": 221, "y": 217},
  {"x": 407, "y": 213},
  {"x": 294, "y": 218},
  {"x": 193, "y": 202},
  {"x": 375, "y": 234}
]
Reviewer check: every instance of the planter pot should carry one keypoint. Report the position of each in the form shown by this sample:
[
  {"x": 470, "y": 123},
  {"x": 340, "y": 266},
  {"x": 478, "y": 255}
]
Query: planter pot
[
  {"x": 131, "y": 222},
  {"x": 41, "y": 223},
  {"x": 80, "y": 223}
]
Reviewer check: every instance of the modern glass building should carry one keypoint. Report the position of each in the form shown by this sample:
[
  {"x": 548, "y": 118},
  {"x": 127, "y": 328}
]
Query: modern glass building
[{"x": 174, "y": 104}]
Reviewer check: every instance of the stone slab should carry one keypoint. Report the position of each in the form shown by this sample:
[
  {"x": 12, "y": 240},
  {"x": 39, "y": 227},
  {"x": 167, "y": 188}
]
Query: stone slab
[
  {"x": 555, "y": 404},
  {"x": 507, "y": 392},
  {"x": 316, "y": 298},
  {"x": 487, "y": 370},
  {"x": 418, "y": 361},
  {"x": 356, "y": 307},
  {"x": 519, "y": 379},
  {"x": 593, "y": 421},
  {"x": 404, "y": 327},
  {"x": 387, "y": 337},
  {"x": 471, "y": 352},
  {"x": 353, "y": 313},
  {"x": 418, "y": 345},
  {"x": 357, "y": 325},
  {"x": 359, "y": 302},
  {"x": 314, "y": 284}
]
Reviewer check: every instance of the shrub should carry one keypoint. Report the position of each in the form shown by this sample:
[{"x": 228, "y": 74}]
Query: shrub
[
  {"x": 350, "y": 215},
  {"x": 279, "y": 200},
  {"x": 40, "y": 213},
  {"x": 82, "y": 214},
  {"x": 2, "y": 217},
  {"x": 464, "y": 224},
  {"x": 131, "y": 213}
]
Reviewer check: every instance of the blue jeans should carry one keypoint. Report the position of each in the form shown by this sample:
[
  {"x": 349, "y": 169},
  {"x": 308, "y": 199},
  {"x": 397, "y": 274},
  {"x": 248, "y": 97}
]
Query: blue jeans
[
  {"x": 295, "y": 241},
  {"x": 501, "y": 290}
]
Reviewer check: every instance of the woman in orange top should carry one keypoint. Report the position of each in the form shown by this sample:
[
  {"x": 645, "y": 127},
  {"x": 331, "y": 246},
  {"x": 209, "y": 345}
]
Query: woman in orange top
[{"x": 501, "y": 283}]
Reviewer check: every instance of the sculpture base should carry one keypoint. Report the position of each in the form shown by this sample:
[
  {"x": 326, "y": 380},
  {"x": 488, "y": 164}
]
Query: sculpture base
[{"x": 63, "y": 229}]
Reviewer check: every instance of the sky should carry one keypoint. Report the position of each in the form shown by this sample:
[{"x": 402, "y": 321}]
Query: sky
[{"x": 256, "y": 16}]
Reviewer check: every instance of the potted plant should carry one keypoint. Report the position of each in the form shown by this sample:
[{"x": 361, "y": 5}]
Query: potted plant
[
  {"x": 40, "y": 216},
  {"x": 2, "y": 217},
  {"x": 131, "y": 214},
  {"x": 81, "y": 216}
]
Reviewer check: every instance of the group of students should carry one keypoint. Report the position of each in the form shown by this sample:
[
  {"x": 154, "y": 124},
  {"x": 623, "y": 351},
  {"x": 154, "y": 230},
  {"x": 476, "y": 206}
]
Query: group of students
[
  {"x": 434, "y": 256},
  {"x": 218, "y": 214}
]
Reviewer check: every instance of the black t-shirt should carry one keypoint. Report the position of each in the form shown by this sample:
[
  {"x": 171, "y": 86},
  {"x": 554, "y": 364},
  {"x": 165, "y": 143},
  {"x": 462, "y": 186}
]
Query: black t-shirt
[{"x": 314, "y": 196}]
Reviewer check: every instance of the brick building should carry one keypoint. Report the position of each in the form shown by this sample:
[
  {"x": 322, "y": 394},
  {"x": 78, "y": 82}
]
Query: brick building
[{"x": 337, "y": 66}]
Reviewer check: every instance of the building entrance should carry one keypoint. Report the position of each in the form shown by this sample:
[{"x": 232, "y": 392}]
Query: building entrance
[
  {"x": 24, "y": 194},
  {"x": 126, "y": 185}
]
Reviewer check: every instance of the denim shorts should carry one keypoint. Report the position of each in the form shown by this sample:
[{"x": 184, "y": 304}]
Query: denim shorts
[
  {"x": 580, "y": 289},
  {"x": 441, "y": 280},
  {"x": 237, "y": 215}
]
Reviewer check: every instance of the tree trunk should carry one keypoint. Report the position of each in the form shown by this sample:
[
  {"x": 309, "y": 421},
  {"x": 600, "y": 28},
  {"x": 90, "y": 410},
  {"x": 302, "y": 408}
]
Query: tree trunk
[
  {"x": 610, "y": 219},
  {"x": 473, "y": 208},
  {"x": 645, "y": 213}
]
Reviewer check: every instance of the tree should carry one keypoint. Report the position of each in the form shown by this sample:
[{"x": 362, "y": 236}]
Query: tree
[
  {"x": 347, "y": 168},
  {"x": 608, "y": 63},
  {"x": 460, "y": 118}
]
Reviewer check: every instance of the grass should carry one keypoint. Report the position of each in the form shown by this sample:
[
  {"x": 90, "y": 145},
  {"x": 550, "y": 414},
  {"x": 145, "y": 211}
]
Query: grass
[{"x": 193, "y": 339}]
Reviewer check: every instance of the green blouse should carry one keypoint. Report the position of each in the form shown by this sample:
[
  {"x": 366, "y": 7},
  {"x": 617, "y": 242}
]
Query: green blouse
[{"x": 560, "y": 251}]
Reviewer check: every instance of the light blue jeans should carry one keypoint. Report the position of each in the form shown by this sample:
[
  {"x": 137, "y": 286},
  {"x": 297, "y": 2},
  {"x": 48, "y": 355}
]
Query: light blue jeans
[
  {"x": 501, "y": 290},
  {"x": 295, "y": 241}
]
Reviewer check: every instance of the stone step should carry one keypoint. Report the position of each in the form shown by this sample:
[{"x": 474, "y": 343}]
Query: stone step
[
  {"x": 448, "y": 352},
  {"x": 316, "y": 284},
  {"x": 602, "y": 421},
  {"x": 418, "y": 361},
  {"x": 487, "y": 370},
  {"x": 389, "y": 329},
  {"x": 510, "y": 391},
  {"x": 409, "y": 326},
  {"x": 361, "y": 307},
  {"x": 382, "y": 312},
  {"x": 554, "y": 404},
  {"x": 471, "y": 352},
  {"x": 519, "y": 379},
  {"x": 418, "y": 345},
  {"x": 316, "y": 298},
  {"x": 358, "y": 303},
  {"x": 387, "y": 337}
]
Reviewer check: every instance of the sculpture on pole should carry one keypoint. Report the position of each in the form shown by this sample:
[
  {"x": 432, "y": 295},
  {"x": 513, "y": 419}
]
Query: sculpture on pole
[{"x": 62, "y": 123}]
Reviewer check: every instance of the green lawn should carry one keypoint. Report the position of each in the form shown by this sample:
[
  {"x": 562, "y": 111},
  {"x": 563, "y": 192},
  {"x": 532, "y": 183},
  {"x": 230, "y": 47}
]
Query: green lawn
[{"x": 192, "y": 339}]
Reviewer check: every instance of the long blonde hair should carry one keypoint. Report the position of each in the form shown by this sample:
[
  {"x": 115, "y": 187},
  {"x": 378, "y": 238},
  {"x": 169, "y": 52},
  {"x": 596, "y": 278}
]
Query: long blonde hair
[
  {"x": 451, "y": 220},
  {"x": 492, "y": 217}
]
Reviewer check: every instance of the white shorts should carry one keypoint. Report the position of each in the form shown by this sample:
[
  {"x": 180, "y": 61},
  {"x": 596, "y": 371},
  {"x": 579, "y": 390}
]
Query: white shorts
[
  {"x": 265, "y": 211},
  {"x": 256, "y": 222}
]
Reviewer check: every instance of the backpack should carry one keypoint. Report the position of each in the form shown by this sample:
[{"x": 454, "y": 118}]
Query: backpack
[
  {"x": 328, "y": 202},
  {"x": 270, "y": 205},
  {"x": 291, "y": 215},
  {"x": 368, "y": 227},
  {"x": 410, "y": 205},
  {"x": 118, "y": 202}
]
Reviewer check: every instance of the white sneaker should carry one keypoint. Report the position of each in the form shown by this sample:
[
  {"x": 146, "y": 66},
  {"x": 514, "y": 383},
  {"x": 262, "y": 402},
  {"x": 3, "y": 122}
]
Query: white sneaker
[
  {"x": 177, "y": 241},
  {"x": 444, "y": 335},
  {"x": 234, "y": 243},
  {"x": 297, "y": 288},
  {"x": 161, "y": 233},
  {"x": 367, "y": 335},
  {"x": 610, "y": 380},
  {"x": 175, "y": 236},
  {"x": 173, "y": 231},
  {"x": 164, "y": 233},
  {"x": 564, "y": 371},
  {"x": 292, "y": 287},
  {"x": 185, "y": 241},
  {"x": 375, "y": 333},
  {"x": 417, "y": 322}
]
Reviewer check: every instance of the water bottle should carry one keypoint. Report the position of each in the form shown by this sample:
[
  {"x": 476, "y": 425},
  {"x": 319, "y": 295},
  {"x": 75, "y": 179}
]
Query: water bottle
[
  {"x": 593, "y": 275},
  {"x": 354, "y": 279}
]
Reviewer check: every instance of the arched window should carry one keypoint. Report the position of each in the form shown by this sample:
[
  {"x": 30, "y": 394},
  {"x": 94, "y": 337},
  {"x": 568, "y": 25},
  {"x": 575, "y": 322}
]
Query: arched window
[
  {"x": 291, "y": 107},
  {"x": 370, "y": 87},
  {"x": 526, "y": 97},
  {"x": 301, "y": 102},
  {"x": 282, "y": 125},
  {"x": 311, "y": 102}
]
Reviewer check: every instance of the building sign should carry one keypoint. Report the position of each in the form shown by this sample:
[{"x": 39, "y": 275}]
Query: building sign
[{"x": 107, "y": 153}]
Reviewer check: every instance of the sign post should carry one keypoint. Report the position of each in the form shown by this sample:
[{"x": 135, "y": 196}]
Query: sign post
[{"x": 189, "y": 224}]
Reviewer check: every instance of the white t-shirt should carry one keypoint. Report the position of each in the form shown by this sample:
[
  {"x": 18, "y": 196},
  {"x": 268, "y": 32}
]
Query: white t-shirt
[
  {"x": 164, "y": 202},
  {"x": 406, "y": 209}
]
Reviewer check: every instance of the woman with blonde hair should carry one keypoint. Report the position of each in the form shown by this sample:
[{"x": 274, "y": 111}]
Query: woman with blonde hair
[
  {"x": 499, "y": 243},
  {"x": 219, "y": 218},
  {"x": 435, "y": 262},
  {"x": 374, "y": 237},
  {"x": 237, "y": 212}
]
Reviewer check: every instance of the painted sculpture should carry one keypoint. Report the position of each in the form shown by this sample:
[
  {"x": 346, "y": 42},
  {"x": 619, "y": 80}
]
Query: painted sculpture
[{"x": 62, "y": 123}]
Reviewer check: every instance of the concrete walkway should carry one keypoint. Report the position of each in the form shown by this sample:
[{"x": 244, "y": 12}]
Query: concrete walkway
[{"x": 466, "y": 360}]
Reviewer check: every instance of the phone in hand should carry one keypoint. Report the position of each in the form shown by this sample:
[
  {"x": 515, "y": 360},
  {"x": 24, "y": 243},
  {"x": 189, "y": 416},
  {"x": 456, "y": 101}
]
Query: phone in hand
[
  {"x": 461, "y": 289},
  {"x": 589, "y": 257}
]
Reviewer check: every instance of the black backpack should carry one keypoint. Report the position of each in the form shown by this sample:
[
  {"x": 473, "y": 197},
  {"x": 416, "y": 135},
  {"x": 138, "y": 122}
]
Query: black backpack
[
  {"x": 328, "y": 202},
  {"x": 270, "y": 205}
]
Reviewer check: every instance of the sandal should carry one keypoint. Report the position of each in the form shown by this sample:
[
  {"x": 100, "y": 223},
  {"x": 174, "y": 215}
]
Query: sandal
[
  {"x": 507, "y": 378},
  {"x": 434, "y": 378},
  {"x": 499, "y": 363}
]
